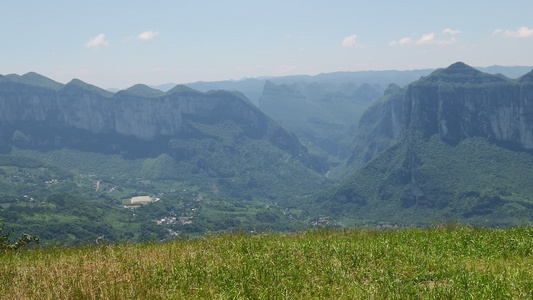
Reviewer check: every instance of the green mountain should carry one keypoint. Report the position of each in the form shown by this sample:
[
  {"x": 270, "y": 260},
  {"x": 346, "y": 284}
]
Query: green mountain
[
  {"x": 458, "y": 148},
  {"x": 322, "y": 114},
  {"x": 378, "y": 127},
  {"x": 141, "y": 90},
  {"x": 213, "y": 156},
  {"x": 35, "y": 79},
  {"x": 253, "y": 87},
  {"x": 211, "y": 129}
]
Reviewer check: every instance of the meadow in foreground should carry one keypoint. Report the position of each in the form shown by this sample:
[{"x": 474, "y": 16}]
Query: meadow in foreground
[{"x": 452, "y": 262}]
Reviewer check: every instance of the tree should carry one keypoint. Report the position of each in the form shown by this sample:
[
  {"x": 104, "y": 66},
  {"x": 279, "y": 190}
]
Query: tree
[{"x": 5, "y": 243}]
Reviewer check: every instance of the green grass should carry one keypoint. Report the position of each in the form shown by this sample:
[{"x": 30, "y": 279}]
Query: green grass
[{"x": 436, "y": 263}]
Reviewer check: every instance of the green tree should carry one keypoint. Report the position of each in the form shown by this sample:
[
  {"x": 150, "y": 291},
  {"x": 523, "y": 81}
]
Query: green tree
[{"x": 5, "y": 243}]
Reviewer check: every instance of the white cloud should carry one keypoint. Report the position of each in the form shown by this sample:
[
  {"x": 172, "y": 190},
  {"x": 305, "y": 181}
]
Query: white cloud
[
  {"x": 429, "y": 39},
  {"x": 451, "y": 31},
  {"x": 147, "y": 35},
  {"x": 426, "y": 39},
  {"x": 522, "y": 32},
  {"x": 350, "y": 42},
  {"x": 97, "y": 42},
  {"x": 404, "y": 41}
]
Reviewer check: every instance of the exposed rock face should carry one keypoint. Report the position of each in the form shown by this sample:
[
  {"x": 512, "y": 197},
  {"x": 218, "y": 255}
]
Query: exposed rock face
[
  {"x": 456, "y": 103},
  {"x": 378, "y": 127},
  {"x": 432, "y": 151},
  {"x": 82, "y": 116},
  {"x": 460, "y": 102}
]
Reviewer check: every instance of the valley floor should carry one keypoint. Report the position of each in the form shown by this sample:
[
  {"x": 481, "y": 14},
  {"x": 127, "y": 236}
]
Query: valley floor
[{"x": 444, "y": 262}]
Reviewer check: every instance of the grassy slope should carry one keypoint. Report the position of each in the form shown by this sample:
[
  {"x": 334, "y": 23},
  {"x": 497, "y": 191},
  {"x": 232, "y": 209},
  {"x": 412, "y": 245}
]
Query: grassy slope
[{"x": 451, "y": 263}]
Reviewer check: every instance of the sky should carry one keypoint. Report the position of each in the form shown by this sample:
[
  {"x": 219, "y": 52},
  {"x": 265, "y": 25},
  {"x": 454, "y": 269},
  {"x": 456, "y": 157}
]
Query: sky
[{"x": 116, "y": 44}]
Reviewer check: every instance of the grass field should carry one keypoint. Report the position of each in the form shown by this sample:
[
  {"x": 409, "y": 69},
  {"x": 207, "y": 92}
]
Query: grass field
[{"x": 437, "y": 263}]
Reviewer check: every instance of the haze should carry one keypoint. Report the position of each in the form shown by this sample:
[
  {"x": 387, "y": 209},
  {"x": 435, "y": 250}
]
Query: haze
[{"x": 118, "y": 44}]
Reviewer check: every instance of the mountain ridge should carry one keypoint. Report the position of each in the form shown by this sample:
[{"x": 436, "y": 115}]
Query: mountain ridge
[{"x": 461, "y": 137}]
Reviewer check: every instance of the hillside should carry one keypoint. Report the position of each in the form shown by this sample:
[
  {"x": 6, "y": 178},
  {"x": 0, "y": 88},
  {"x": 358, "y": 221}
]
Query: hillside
[
  {"x": 322, "y": 114},
  {"x": 212, "y": 156},
  {"x": 461, "y": 150},
  {"x": 435, "y": 263}
]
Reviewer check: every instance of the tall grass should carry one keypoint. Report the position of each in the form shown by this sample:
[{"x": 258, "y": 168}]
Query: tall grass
[{"x": 456, "y": 263}]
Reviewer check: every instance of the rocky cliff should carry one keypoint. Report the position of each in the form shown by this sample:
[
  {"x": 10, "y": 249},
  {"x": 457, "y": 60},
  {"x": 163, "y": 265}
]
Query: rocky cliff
[
  {"x": 378, "y": 127},
  {"x": 455, "y": 145},
  {"x": 40, "y": 114},
  {"x": 460, "y": 102},
  {"x": 456, "y": 103}
]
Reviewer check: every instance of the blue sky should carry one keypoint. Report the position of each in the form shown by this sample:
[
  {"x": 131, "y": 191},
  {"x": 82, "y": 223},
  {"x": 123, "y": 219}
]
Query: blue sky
[{"x": 121, "y": 43}]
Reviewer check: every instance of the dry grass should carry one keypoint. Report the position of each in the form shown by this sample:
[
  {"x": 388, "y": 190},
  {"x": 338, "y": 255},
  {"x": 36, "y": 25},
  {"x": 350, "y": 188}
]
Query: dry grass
[{"x": 437, "y": 263}]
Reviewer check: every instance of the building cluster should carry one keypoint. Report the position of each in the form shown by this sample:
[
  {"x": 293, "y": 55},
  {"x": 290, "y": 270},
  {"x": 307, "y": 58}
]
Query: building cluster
[{"x": 174, "y": 220}]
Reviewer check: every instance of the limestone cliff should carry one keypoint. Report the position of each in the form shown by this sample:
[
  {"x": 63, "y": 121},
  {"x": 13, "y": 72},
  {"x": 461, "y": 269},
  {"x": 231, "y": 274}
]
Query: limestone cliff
[
  {"x": 378, "y": 127},
  {"x": 456, "y": 103},
  {"x": 138, "y": 121},
  {"x": 460, "y": 102},
  {"x": 455, "y": 145}
]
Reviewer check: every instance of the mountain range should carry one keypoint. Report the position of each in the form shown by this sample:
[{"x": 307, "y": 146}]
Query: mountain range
[{"x": 454, "y": 145}]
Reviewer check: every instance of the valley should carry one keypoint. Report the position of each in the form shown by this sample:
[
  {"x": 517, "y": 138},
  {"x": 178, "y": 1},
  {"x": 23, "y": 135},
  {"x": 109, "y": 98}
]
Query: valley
[{"x": 453, "y": 146}]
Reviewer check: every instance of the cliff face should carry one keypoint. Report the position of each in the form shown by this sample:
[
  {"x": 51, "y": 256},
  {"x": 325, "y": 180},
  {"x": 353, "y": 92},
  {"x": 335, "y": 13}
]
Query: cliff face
[
  {"x": 82, "y": 116},
  {"x": 460, "y": 102},
  {"x": 378, "y": 127},
  {"x": 456, "y": 103},
  {"x": 448, "y": 147}
]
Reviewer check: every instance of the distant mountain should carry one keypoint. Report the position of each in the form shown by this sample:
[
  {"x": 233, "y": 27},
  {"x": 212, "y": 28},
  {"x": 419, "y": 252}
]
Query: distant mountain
[
  {"x": 35, "y": 79},
  {"x": 378, "y": 127},
  {"x": 215, "y": 137},
  {"x": 452, "y": 146},
  {"x": 77, "y": 87},
  {"x": 141, "y": 90},
  {"x": 164, "y": 87},
  {"x": 323, "y": 114},
  {"x": 252, "y": 88},
  {"x": 508, "y": 71}
]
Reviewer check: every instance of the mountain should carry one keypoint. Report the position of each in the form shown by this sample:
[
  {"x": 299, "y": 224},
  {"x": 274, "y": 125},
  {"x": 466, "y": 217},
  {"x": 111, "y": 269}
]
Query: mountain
[
  {"x": 73, "y": 156},
  {"x": 454, "y": 145},
  {"x": 323, "y": 114},
  {"x": 141, "y": 90},
  {"x": 219, "y": 135},
  {"x": 252, "y": 88},
  {"x": 35, "y": 79},
  {"x": 378, "y": 127},
  {"x": 460, "y": 102},
  {"x": 508, "y": 71}
]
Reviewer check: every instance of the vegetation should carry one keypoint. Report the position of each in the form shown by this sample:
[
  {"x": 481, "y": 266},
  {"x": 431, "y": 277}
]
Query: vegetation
[
  {"x": 6, "y": 244},
  {"x": 426, "y": 181},
  {"x": 64, "y": 207},
  {"x": 442, "y": 262},
  {"x": 323, "y": 114},
  {"x": 212, "y": 162}
]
